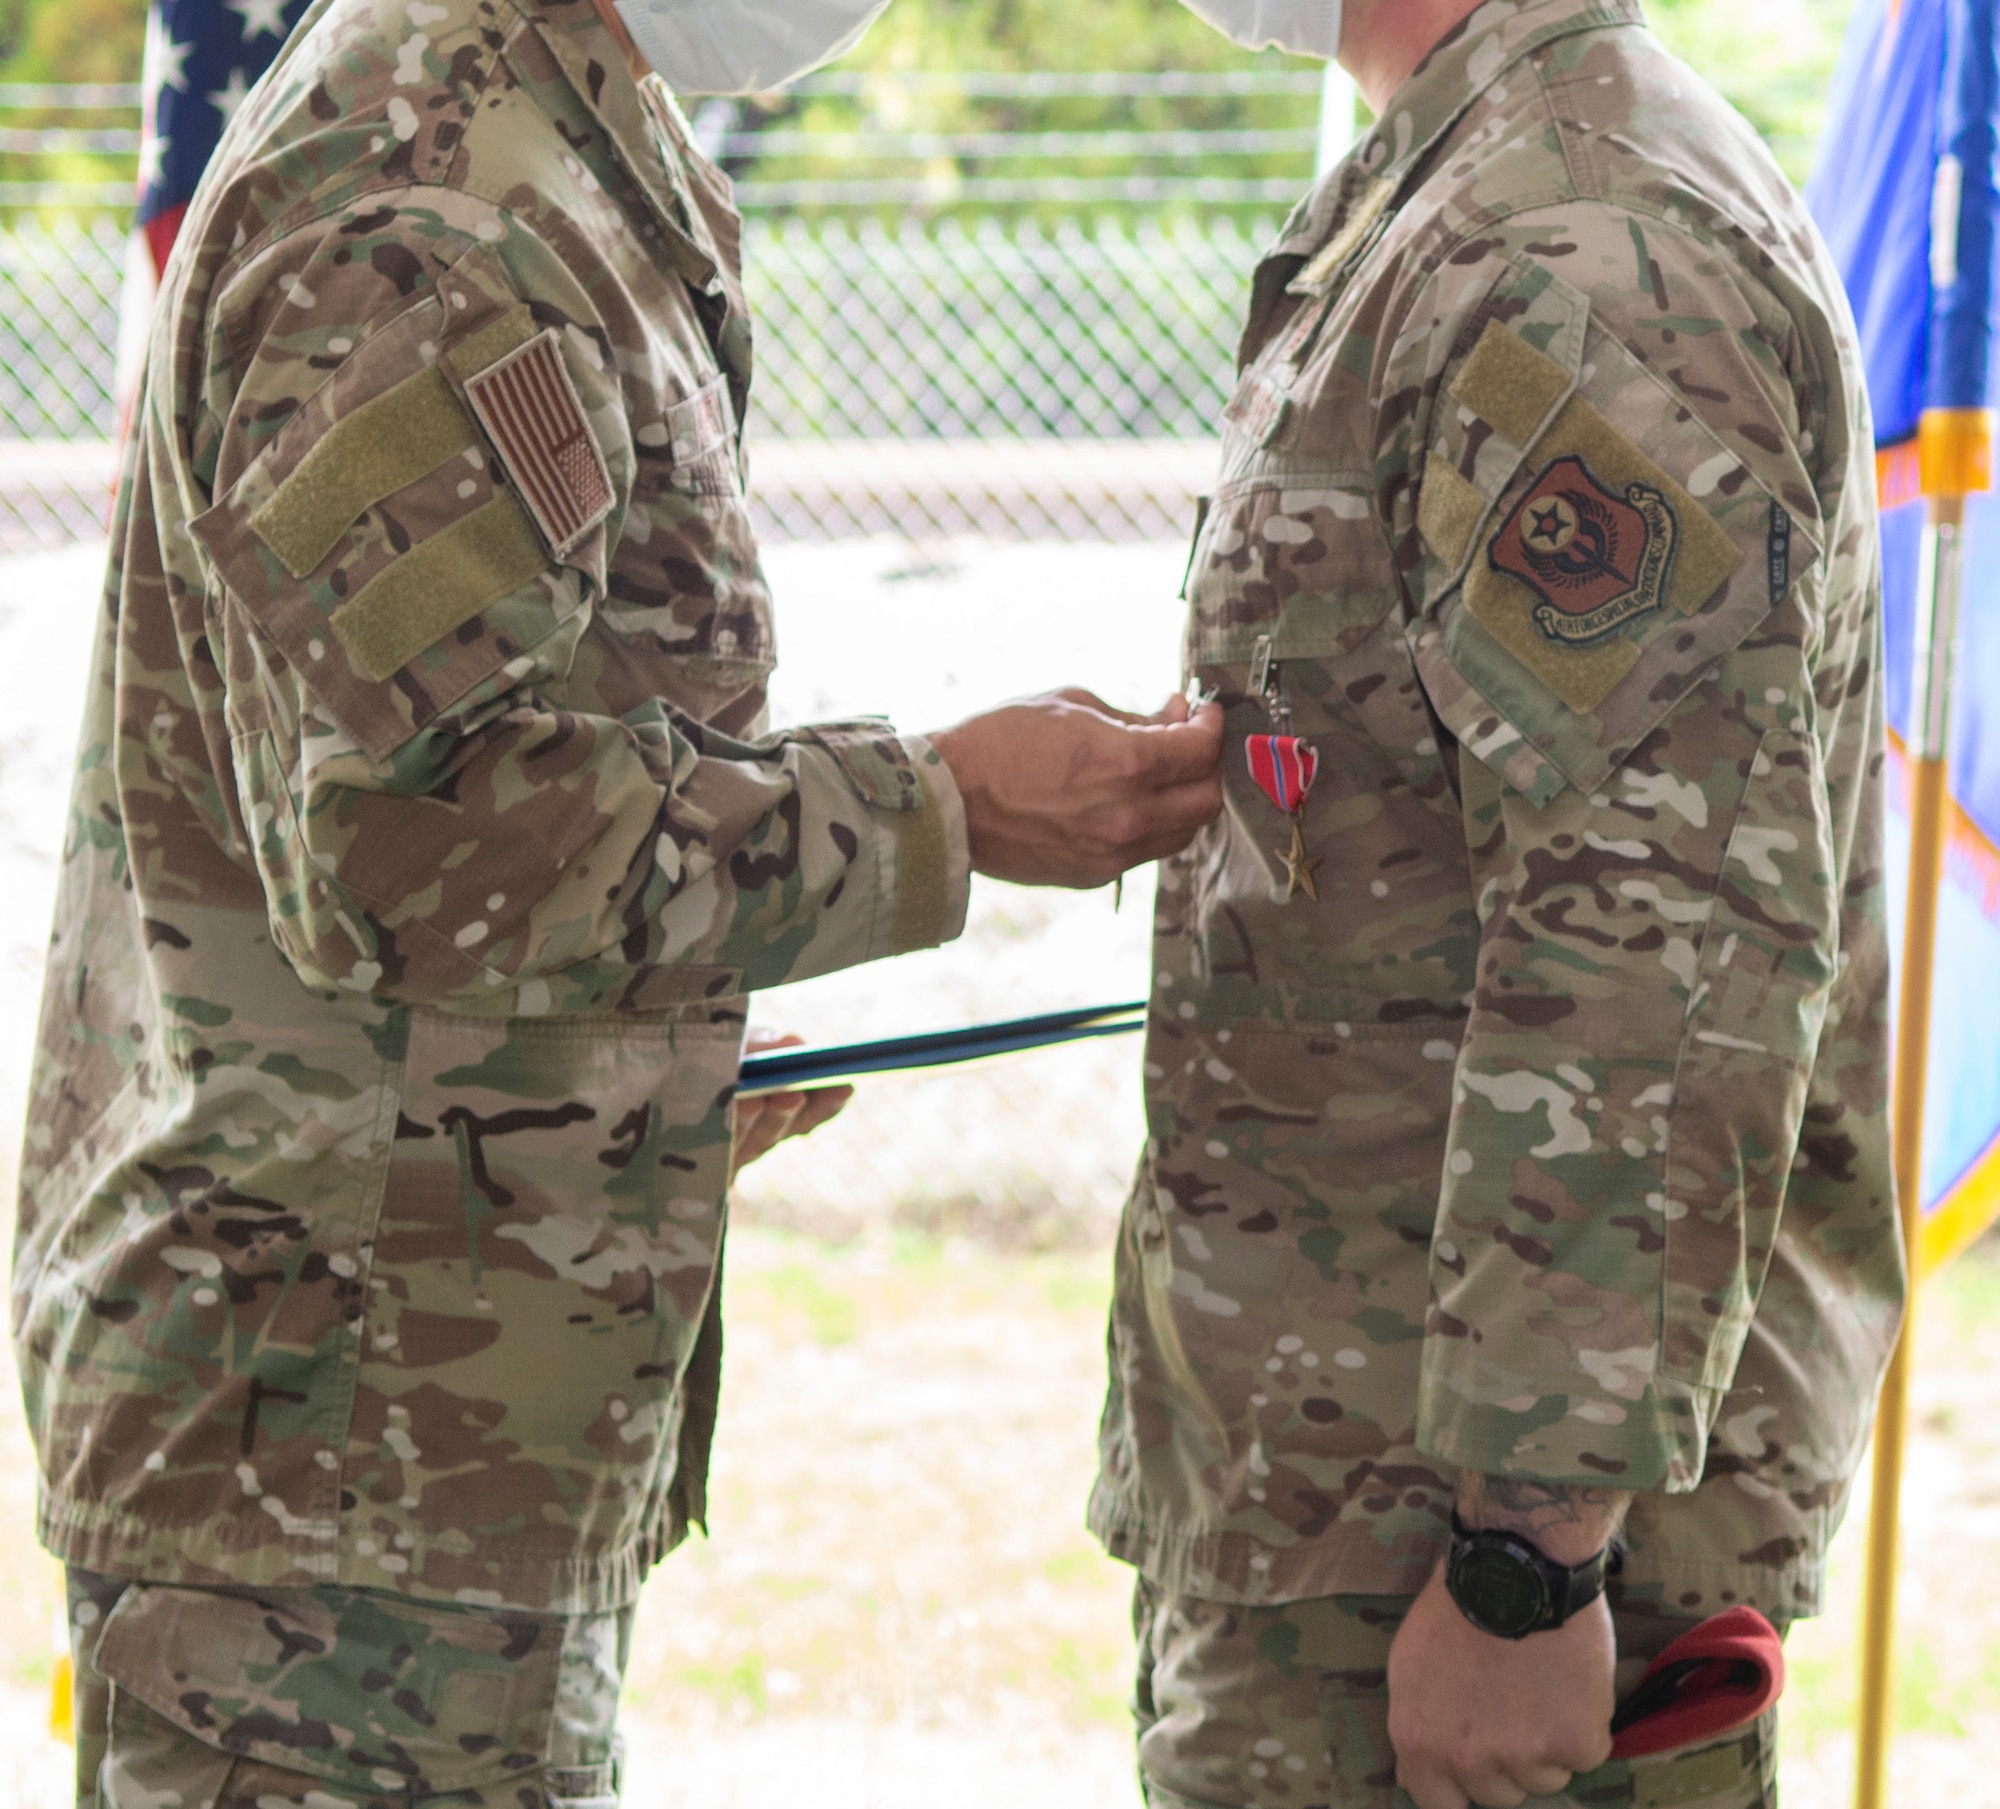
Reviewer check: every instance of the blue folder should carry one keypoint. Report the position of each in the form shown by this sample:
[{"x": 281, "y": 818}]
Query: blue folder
[{"x": 797, "y": 1070}]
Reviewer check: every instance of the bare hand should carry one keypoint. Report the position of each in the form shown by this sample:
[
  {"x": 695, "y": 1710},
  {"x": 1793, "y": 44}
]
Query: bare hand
[
  {"x": 1063, "y": 790},
  {"x": 1493, "y": 1721},
  {"x": 766, "y": 1121}
]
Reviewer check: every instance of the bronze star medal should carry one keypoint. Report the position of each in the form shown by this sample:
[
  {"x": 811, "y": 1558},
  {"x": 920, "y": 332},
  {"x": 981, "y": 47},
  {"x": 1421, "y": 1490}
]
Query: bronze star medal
[
  {"x": 1284, "y": 768},
  {"x": 1299, "y": 866}
]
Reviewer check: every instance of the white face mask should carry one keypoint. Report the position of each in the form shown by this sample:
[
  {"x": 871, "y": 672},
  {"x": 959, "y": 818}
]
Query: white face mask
[
  {"x": 1309, "y": 28},
  {"x": 743, "y": 46}
]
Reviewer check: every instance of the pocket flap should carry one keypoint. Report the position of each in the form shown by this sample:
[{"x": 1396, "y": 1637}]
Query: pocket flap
[{"x": 365, "y": 1690}]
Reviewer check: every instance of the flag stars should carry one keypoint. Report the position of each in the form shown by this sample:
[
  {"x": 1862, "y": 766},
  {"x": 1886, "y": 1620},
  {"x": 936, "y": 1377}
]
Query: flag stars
[
  {"x": 231, "y": 95},
  {"x": 260, "y": 17},
  {"x": 166, "y": 61}
]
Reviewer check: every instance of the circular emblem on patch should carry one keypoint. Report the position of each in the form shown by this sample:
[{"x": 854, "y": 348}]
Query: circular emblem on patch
[
  {"x": 1549, "y": 525},
  {"x": 1591, "y": 555}
]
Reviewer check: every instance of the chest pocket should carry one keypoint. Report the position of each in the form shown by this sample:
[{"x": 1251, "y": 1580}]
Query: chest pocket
[
  {"x": 685, "y": 577},
  {"x": 1290, "y": 548},
  {"x": 1294, "y": 556}
]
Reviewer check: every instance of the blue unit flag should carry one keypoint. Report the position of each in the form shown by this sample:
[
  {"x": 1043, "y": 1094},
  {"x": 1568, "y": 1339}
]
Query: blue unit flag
[{"x": 1904, "y": 190}]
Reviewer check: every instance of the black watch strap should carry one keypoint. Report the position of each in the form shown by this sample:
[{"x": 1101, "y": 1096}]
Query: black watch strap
[{"x": 1504, "y": 1584}]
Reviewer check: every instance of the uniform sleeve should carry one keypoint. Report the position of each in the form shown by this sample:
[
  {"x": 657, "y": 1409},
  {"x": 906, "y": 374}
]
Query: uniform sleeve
[
  {"x": 460, "y": 777},
  {"x": 1632, "y": 625}
]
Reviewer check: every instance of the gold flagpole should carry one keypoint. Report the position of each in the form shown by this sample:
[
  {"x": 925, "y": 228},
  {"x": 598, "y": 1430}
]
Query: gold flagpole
[{"x": 1955, "y": 448}]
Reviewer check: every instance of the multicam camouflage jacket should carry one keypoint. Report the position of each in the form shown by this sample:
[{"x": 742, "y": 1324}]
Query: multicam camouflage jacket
[
  {"x": 1548, "y": 1139},
  {"x": 425, "y": 841}
]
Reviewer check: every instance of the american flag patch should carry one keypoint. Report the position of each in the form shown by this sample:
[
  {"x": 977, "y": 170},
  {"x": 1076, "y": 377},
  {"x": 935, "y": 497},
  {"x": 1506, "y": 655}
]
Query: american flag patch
[{"x": 534, "y": 417}]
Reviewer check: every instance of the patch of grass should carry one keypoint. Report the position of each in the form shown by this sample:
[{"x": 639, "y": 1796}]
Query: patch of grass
[
  {"x": 832, "y": 1316},
  {"x": 1082, "y": 1567},
  {"x": 1969, "y": 1291},
  {"x": 740, "y": 1686},
  {"x": 1092, "y": 1676}
]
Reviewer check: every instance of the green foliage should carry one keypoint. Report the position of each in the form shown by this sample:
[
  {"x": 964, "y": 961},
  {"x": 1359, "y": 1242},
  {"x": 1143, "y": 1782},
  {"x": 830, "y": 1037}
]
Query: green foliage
[
  {"x": 1772, "y": 61},
  {"x": 929, "y": 37},
  {"x": 70, "y": 41}
]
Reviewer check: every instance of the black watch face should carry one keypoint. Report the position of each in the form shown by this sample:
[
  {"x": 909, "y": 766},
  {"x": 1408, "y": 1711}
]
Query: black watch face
[{"x": 1499, "y": 1590}]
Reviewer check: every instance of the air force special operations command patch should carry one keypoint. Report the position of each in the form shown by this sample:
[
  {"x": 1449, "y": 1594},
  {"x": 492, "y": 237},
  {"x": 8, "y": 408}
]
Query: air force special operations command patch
[{"x": 1593, "y": 557}]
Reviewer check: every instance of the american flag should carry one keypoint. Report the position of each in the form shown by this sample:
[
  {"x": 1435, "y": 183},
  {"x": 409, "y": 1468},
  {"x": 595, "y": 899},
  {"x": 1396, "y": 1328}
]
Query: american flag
[
  {"x": 202, "y": 58},
  {"x": 530, "y": 408}
]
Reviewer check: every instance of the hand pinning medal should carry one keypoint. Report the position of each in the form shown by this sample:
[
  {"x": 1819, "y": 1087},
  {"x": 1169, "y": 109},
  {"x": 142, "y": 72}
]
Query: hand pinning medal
[{"x": 1284, "y": 767}]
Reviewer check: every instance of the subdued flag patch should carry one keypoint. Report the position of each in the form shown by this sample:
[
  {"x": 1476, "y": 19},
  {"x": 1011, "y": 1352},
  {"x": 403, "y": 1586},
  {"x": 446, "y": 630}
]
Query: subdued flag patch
[{"x": 534, "y": 417}]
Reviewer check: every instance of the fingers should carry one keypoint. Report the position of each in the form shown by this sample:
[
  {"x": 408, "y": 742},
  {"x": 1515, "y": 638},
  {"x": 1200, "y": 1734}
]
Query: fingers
[
  {"x": 1089, "y": 700},
  {"x": 1169, "y": 821},
  {"x": 1191, "y": 748},
  {"x": 1434, "y": 1786},
  {"x": 760, "y": 1042},
  {"x": 819, "y": 1107},
  {"x": 1429, "y": 1787}
]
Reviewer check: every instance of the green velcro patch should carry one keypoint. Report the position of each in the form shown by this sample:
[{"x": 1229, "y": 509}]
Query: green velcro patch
[
  {"x": 439, "y": 585},
  {"x": 401, "y": 435},
  {"x": 922, "y": 879},
  {"x": 1702, "y": 1777},
  {"x": 493, "y": 342},
  {"x": 1509, "y": 385},
  {"x": 1449, "y": 510},
  {"x": 1577, "y": 658}
]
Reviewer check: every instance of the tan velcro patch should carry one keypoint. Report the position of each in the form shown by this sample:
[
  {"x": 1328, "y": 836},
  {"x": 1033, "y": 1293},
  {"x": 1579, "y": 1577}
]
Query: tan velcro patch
[
  {"x": 529, "y": 407},
  {"x": 1676, "y": 554},
  {"x": 403, "y": 434},
  {"x": 1509, "y": 385},
  {"x": 1449, "y": 510},
  {"x": 1718, "y": 1775},
  {"x": 439, "y": 585}
]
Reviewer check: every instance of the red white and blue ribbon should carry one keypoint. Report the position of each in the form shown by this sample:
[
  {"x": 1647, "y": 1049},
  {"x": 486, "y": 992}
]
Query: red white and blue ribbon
[{"x": 1284, "y": 767}]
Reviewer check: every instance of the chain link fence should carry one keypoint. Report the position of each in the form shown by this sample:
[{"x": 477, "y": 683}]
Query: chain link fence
[
  {"x": 1007, "y": 379},
  {"x": 59, "y": 296},
  {"x": 1011, "y": 378}
]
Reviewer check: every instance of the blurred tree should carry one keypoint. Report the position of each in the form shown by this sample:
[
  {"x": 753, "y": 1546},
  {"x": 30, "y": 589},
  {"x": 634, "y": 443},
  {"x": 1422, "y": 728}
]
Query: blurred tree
[
  {"x": 72, "y": 40},
  {"x": 69, "y": 41}
]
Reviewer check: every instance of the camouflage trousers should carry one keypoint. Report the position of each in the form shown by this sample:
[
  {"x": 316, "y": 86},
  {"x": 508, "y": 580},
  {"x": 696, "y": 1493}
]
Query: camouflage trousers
[
  {"x": 338, "y": 1699},
  {"x": 1288, "y": 1708}
]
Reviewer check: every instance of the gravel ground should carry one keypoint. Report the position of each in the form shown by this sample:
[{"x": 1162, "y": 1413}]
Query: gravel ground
[{"x": 899, "y": 1606}]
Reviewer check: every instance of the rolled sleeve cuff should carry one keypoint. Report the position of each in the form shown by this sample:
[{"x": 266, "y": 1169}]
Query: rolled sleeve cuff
[
  {"x": 933, "y": 857},
  {"x": 1563, "y": 1440}
]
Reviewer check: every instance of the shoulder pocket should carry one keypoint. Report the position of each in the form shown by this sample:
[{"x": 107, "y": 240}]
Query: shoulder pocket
[
  {"x": 1606, "y": 551},
  {"x": 429, "y": 523}
]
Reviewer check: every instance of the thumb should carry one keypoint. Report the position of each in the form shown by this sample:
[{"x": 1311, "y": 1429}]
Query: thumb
[{"x": 1181, "y": 751}]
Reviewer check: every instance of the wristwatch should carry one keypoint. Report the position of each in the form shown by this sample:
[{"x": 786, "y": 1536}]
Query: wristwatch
[{"x": 1505, "y": 1586}]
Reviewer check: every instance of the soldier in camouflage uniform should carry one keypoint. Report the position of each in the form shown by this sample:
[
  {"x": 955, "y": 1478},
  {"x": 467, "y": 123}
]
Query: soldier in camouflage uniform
[
  {"x": 1517, "y": 1135},
  {"x": 426, "y": 839}
]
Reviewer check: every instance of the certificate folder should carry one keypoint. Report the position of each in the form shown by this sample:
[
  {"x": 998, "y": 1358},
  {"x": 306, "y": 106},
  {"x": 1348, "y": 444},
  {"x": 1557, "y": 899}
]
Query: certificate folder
[{"x": 797, "y": 1070}]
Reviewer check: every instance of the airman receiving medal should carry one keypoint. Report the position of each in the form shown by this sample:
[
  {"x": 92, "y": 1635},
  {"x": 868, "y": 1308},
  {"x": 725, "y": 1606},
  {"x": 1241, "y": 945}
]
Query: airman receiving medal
[{"x": 1517, "y": 1175}]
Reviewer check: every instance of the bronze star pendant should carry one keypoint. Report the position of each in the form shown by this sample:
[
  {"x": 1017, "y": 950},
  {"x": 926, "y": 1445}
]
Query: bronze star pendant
[{"x": 1299, "y": 866}]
